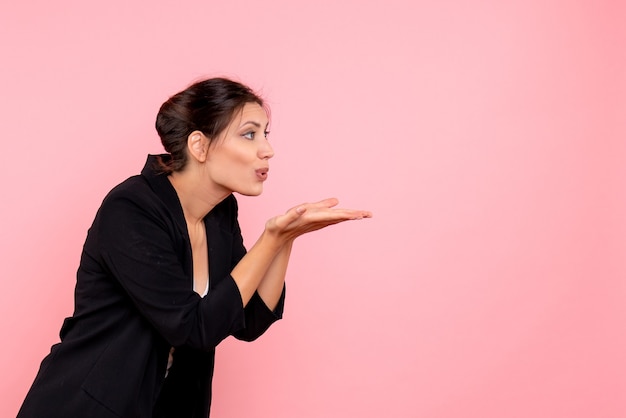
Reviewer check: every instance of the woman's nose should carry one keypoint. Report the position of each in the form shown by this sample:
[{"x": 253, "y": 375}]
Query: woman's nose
[{"x": 266, "y": 151}]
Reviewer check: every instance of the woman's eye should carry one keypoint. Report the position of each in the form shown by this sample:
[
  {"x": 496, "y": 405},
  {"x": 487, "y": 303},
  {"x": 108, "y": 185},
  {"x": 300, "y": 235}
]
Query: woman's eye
[
  {"x": 249, "y": 135},
  {"x": 266, "y": 134}
]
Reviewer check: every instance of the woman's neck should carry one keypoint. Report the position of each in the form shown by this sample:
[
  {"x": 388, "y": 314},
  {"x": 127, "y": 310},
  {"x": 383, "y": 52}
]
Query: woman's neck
[{"x": 196, "y": 197}]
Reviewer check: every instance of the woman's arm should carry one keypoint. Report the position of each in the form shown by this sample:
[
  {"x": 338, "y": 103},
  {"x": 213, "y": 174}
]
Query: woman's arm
[
  {"x": 263, "y": 267},
  {"x": 271, "y": 287},
  {"x": 131, "y": 240},
  {"x": 266, "y": 305}
]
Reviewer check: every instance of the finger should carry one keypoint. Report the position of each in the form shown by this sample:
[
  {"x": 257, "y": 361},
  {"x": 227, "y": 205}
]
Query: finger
[
  {"x": 359, "y": 212},
  {"x": 365, "y": 213},
  {"x": 322, "y": 204},
  {"x": 326, "y": 203},
  {"x": 351, "y": 212},
  {"x": 336, "y": 214},
  {"x": 290, "y": 216}
]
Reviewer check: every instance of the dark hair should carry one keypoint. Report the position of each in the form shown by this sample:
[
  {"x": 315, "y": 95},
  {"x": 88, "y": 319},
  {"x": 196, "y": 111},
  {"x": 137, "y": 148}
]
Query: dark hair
[{"x": 207, "y": 106}]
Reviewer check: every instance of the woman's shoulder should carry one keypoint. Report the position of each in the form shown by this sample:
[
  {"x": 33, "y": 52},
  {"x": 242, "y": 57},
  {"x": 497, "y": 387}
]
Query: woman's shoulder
[
  {"x": 137, "y": 194},
  {"x": 150, "y": 184},
  {"x": 133, "y": 188},
  {"x": 135, "y": 204}
]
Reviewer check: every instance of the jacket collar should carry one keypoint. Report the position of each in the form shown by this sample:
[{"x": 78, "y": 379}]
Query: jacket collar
[{"x": 162, "y": 187}]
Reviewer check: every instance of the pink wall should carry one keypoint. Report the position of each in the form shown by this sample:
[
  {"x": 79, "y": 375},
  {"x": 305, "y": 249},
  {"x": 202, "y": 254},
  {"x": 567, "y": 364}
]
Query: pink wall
[{"x": 487, "y": 137}]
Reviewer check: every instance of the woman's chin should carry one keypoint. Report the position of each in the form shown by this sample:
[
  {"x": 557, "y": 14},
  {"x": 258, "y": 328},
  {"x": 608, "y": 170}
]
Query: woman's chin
[{"x": 256, "y": 191}]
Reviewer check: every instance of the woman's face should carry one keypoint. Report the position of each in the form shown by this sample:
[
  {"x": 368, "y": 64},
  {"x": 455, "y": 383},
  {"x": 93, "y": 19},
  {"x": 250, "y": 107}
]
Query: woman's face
[{"x": 238, "y": 160}]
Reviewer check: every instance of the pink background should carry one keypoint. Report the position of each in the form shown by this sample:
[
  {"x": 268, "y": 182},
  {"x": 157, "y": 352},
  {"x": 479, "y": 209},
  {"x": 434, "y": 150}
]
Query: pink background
[{"x": 487, "y": 137}]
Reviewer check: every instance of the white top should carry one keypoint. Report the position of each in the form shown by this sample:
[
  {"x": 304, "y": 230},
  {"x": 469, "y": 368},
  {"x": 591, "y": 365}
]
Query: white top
[{"x": 206, "y": 290}]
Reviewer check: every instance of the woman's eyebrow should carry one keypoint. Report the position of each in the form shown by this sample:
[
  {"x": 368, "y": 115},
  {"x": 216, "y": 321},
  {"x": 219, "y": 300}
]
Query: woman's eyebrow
[{"x": 257, "y": 124}]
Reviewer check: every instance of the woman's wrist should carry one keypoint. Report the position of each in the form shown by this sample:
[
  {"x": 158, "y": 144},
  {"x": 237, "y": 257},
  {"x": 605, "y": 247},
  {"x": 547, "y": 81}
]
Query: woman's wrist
[{"x": 274, "y": 240}]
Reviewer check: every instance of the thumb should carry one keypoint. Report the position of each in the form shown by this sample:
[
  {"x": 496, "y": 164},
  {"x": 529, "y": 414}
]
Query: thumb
[{"x": 292, "y": 215}]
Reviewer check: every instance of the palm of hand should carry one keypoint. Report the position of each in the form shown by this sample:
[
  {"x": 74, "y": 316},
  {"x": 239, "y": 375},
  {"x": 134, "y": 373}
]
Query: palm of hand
[{"x": 311, "y": 217}]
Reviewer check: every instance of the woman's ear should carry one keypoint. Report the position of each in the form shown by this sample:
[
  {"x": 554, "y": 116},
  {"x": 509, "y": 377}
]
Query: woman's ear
[{"x": 198, "y": 146}]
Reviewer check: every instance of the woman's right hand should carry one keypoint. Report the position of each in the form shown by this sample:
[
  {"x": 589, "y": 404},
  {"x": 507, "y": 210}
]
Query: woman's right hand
[{"x": 310, "y": 217}]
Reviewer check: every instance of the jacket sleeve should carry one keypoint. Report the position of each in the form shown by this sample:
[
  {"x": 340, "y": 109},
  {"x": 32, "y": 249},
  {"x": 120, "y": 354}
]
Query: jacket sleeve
[
  {"x": 258, "y": 317},
  {"x": 141, "y": 248}
]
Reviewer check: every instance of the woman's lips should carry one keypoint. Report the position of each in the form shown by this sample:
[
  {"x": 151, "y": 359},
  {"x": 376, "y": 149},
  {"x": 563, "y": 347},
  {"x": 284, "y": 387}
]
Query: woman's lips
[{"x": 261, "y": 173}]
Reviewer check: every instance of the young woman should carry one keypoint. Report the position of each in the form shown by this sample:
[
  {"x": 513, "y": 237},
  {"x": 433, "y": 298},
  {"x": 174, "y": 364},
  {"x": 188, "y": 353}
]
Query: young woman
[{"x": 164, "y": 276}]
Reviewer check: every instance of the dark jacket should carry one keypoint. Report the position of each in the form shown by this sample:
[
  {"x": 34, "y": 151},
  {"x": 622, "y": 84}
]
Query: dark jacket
[{"x": 134, "y": 301}]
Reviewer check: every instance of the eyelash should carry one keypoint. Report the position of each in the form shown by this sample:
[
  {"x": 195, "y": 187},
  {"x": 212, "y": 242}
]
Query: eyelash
[{"x": 251, "y": 133}]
